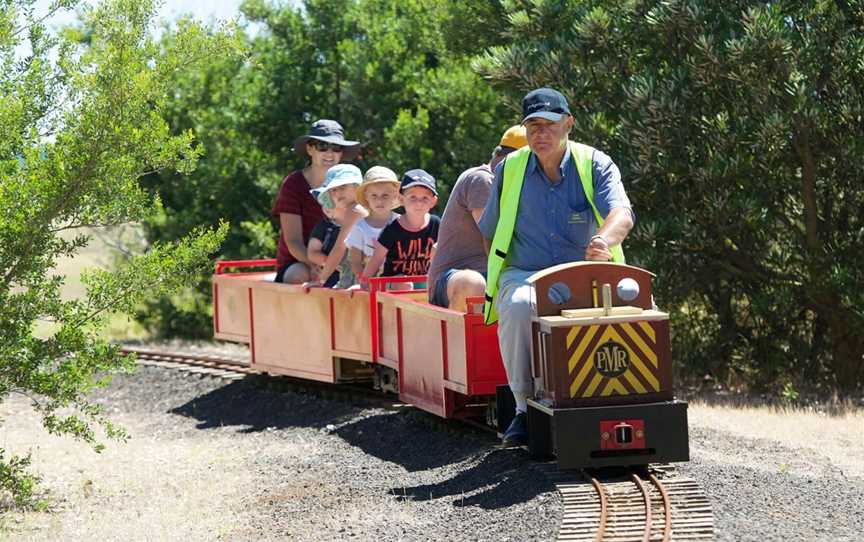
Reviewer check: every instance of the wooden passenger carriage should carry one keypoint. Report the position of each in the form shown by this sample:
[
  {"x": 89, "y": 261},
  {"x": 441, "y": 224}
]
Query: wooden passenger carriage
[{"x": 445, "y": 361}]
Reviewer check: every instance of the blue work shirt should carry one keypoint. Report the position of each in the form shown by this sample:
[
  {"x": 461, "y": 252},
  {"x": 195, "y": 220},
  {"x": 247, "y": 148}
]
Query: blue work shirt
[{"x": 555, "y": 221}]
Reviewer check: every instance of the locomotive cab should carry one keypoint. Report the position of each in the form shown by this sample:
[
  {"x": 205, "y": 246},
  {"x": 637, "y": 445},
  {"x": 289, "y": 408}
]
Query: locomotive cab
[{"x": 602, "y": 369}]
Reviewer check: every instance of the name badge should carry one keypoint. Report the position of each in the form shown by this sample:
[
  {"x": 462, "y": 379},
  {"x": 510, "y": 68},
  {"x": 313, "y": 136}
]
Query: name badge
[{"x": 577, "y": 218}]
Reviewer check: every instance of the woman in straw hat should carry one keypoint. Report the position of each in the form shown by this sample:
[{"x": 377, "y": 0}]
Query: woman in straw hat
[{"x": 296, "y": 209}]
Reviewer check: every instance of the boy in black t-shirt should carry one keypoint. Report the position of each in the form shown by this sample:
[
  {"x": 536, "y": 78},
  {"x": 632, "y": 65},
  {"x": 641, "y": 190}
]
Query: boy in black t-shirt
[{"x": 405, "y": 245}]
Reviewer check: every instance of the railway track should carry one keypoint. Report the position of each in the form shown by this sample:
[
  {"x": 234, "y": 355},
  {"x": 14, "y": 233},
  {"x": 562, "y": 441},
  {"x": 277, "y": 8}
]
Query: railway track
[
  {"x": 622, "y": 505},
  {"x": 236, "y": 367},
  {"x": 638, "y": 505},
  {"x": 224, "y": 367}
]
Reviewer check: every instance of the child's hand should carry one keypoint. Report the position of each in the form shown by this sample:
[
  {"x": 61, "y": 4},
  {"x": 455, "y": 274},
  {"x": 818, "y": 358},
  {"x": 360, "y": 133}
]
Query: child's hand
[
  {"x": 350, "y": 215},
  {"x": 315, "y": 272},
  {"x": 354, "y": 213},
  {"x": 362, "y": 281}
]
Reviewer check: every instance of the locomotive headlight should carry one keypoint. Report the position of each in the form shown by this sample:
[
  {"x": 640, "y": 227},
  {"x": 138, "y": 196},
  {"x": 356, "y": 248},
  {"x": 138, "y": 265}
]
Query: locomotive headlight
[{"x": 628, "y": 289}]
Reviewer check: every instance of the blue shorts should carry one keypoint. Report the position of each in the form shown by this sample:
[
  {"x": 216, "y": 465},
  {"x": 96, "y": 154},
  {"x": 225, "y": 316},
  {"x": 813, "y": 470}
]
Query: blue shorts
[{"x": 438, "y": 295}]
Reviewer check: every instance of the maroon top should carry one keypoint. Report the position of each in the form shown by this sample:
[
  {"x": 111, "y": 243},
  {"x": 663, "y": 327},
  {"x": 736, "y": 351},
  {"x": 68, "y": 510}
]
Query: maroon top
[{"x": 294, "y": 199}]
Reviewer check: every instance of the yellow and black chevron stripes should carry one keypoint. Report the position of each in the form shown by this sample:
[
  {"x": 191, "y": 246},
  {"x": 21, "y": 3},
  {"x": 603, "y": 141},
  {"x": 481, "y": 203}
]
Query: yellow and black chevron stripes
[{"x": 638, "y": 339}]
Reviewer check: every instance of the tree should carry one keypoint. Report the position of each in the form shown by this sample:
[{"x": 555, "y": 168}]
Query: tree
[
  {"x": 81, "y": 121},
  {"x": 738, "y": 127},
  {"x": 383, "y": 68}
]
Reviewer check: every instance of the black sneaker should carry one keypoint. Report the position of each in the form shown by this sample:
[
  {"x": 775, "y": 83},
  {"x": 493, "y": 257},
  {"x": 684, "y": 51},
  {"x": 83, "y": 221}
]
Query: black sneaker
[{"x": 517, "y": 433}]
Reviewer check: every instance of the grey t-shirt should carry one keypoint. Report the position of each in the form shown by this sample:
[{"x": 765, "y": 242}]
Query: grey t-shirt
[{"x": 460, "y": 244}]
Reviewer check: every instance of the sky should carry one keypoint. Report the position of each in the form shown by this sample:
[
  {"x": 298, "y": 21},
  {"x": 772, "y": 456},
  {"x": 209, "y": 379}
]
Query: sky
[
  {"x": 171, "y": 9},
  {"x": 212, "y": 11},
  {"x": 217, "y": 9}
]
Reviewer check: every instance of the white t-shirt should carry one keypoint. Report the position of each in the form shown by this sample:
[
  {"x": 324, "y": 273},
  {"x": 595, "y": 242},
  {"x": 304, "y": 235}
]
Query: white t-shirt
[{"x": 363, "y": 236}]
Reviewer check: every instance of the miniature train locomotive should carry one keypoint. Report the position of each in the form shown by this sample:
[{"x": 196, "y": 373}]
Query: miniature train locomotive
[
  {"x": 603, "y": 367},
  {"x": 601, "y": 354}
]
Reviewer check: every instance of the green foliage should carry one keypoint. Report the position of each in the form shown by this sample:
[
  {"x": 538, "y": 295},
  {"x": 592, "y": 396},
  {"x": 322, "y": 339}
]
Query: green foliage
[
  {"x": 394, "y": 73},
  {"x": 738, "y": 128},
  {"x": 789, "y": 394},
  {"x": 76, "y": 136},
  {"x": 17, "y": 485}
]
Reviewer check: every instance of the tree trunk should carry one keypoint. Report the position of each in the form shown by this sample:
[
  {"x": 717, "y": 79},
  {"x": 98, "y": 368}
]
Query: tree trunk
[
  {"x": 845, "y": 345},
  {"x": 847, "y": 349}
]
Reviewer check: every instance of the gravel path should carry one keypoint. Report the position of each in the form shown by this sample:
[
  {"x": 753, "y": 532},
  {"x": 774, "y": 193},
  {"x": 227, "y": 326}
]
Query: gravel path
[
  {"x": 375, "y": 474},
  {"x": 763, "y": 491},
  {"x": 302, "y": 467},
  {"x": 258, "y": 463}
]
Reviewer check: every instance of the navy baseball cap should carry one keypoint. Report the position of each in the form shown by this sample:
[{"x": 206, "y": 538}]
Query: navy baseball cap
[
  {"x": 417, "y": 177},
  {"x": 544, "y": 103}
]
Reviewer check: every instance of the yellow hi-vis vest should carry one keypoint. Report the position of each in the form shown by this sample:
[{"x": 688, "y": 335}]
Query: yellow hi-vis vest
[{"x": 511, "y": 189}]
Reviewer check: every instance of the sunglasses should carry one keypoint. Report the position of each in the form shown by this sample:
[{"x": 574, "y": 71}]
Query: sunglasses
[{"x": 323, "y": 146}]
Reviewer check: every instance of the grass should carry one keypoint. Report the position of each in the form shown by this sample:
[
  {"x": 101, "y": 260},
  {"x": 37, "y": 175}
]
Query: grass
[
  {"x": 834, "y": 436},
  {"x": 157, "y": 486},
  {"x": 104, "y": 246}
]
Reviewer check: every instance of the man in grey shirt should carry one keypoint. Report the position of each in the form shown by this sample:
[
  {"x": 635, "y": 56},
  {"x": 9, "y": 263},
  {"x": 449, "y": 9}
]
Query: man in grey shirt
[
  {"x": 555, "y": 223},
  {"x": 458, "y": 268}
]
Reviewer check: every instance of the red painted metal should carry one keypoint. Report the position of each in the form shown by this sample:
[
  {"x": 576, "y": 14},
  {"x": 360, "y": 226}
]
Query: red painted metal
[
  {"x": 332, "y": 325},
  {"x": 374, "y": 313},
  {"x": 401, "y": 356},
  {"x": 377, "y": 309},
  {"x": 482, "y": 352},
  {"x": 608, "y": 440},
  {"x": 215, "y": 288},
  {"x": 444, "y": 352},
  {"x": 222, "y": 266},
  {"x": 379, "y": 284},
  {"x": 251, "y": 328}
]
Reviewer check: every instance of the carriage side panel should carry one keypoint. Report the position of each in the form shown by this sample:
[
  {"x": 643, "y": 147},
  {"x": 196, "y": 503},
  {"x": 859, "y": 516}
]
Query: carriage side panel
[
  {"x": 231, "y": 307},
  {"x": 291, "y": 332},
  {"x": 351, "y": 329}
]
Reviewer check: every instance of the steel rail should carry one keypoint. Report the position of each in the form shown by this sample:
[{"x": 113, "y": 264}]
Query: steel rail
[
  {"x": 646, "y": 498},
  {"x": 667, "y": 507},
  {"x": 609, "y": 506},
  {"x": 604, "y": 509},
  {"x": 146, "y": 353}
]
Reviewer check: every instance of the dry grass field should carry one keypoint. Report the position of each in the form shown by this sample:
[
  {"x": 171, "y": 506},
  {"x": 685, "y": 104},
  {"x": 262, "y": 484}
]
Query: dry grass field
[
  {"x": 104, "y": 246},
  {"x": 836, "y": 438},
  {"x": 154, "y": 487}
]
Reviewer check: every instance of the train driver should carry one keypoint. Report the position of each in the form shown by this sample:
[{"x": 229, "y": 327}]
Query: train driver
[{"x": 552, "y": 202}]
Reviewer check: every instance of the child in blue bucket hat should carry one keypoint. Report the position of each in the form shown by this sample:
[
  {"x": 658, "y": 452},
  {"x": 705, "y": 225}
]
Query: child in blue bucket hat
[{"x": 327, "y": 248}]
